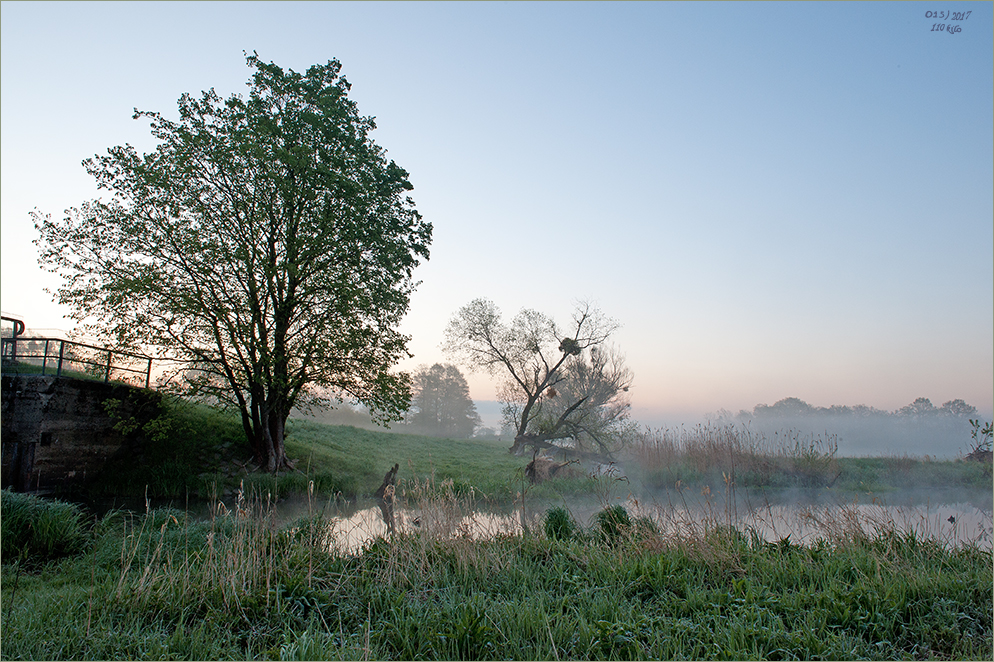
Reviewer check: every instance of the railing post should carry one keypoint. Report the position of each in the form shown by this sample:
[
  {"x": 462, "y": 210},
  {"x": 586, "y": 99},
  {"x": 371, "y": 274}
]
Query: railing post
[
  {"x": 44, "y": 360},
  {"x": 148, "y": 373},
  {"x": 62, "y": 349}
]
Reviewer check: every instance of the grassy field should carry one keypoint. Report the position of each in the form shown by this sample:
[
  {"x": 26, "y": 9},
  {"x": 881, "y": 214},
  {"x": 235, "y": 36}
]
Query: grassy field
[
  {"x": 199, "y": 452},
  {"x": 162, "y": 586},
  {"x": 202, "y": 453}
]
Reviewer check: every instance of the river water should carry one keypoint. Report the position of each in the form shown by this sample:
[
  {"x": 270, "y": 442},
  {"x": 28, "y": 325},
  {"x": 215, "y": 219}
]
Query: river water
[{"x": 953, "y": 517}]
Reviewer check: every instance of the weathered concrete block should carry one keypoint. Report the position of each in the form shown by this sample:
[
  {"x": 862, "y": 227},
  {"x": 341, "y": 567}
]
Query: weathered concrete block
[{"x": 56, "y": 431}]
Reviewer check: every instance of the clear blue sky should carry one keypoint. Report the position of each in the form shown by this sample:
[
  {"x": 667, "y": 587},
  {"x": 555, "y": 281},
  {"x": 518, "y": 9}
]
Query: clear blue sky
[{"x": 773, "y": 199}]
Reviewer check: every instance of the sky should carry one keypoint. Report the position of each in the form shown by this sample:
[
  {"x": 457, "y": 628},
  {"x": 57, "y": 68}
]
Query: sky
[{"x": 772, "y": 199}]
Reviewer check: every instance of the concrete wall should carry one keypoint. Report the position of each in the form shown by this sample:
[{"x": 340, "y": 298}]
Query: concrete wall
[{"x": 56, "y": 431}]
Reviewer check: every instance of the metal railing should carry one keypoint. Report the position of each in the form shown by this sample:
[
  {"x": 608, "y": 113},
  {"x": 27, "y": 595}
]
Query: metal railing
[
  {"x": 26, "y": 355},
  {"x": 17, "y": 323}
]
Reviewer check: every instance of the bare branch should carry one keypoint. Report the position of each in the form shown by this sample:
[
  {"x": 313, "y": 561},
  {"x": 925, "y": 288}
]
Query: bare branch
[{"x": 581, "y": 395}]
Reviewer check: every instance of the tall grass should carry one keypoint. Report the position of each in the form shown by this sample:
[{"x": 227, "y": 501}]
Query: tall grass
[
  {"x": 725, "y": 453},
  {"x": 241, "y": 586},
  {"x": 37, "y": 530}
]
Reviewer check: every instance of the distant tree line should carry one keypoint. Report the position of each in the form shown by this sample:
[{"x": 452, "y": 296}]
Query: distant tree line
[{"x": 919, "y": 410}]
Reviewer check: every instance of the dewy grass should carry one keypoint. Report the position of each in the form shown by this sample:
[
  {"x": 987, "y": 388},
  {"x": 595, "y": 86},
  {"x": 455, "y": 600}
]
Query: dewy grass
[
  {"x": 363, "y": 456},
  {"x": 882, "y": 474},
  {"x": 36, "y": 530},
  {"x": 241, "y": 586}
]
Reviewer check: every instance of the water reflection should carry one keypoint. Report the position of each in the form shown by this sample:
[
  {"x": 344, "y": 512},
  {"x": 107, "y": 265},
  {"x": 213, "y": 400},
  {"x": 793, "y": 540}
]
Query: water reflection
[
  {"x": 952, "y": 517},
  {"x": 952, "y": 524},
  {"x": 353, "y": 532}
]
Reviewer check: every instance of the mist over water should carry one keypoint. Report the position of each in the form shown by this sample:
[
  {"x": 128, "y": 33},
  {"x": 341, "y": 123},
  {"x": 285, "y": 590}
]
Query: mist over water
[
  {"x": 668, "y": 484},
  {"x": 873, "y": 436}
]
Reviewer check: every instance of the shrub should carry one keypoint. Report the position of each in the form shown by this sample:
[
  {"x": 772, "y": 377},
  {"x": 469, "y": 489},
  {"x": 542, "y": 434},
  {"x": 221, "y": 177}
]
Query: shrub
[
  {"x": 613, "y": 522},
  {"x": 559, "y": 524},
  {"x": 39, "y": 530}
]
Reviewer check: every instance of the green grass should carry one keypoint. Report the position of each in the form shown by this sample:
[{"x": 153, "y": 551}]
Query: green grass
[
  {"x": 883, "y": 474},
  {"x": 94, "y": 372},
  {"x": 162, "y": 586},
  {"x": 35, "y": 530},
  {"x": 197, "y": 446},
  {"x": 354, "y": 460},
  {"x": 24, "y": 368}
]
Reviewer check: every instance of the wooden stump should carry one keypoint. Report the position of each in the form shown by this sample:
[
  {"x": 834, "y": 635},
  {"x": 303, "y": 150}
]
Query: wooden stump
[{"x": 385, "y": 497}]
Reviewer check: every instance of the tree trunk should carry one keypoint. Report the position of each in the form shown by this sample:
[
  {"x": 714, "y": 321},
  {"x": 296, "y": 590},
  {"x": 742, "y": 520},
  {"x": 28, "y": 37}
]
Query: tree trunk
[
  {"x": 267, "y": 435},
  {"x": 277, "y": 432}
]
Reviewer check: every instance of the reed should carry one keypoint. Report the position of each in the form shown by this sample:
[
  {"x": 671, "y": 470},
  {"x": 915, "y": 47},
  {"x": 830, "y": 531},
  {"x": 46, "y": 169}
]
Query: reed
[{"x": 722, "y": 453}]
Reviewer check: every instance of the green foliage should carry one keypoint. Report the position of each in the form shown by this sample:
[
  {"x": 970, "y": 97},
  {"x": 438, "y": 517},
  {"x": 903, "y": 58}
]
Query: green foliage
[
  {"x": 613, "y": 523},
  {"x": 981, "y": 433},
  {"x": 38, "y": 530},
  {"x": 148, "y": 415},
  {"x": 180, "y": 451},
  {"x": 559, "y": 524},
  {"x": 266, "y": 242}
]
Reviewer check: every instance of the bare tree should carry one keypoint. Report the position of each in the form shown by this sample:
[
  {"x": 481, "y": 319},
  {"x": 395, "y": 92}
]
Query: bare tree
[{"x": 558, "y": 384}]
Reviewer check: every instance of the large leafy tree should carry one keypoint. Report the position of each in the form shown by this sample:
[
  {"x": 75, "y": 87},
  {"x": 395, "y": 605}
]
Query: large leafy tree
[
  {"x": 267, "y": 245},
  {"x": 441, "y": 405},
  {"x": 557, "y": 383},
  {"x": 920, "y": 409}
]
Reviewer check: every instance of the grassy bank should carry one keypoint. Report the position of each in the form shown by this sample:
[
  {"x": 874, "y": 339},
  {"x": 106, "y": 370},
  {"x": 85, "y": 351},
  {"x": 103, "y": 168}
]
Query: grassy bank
[
  {"x": 721, "y": 454},
  {"x": 160, "y": 586},
  {"x": 196, "y": 451},
  {"x": 200, "y": 452}
]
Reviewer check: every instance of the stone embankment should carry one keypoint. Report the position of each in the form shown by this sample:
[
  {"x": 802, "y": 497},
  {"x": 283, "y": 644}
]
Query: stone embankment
[{"x": 58, "y": 431}]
